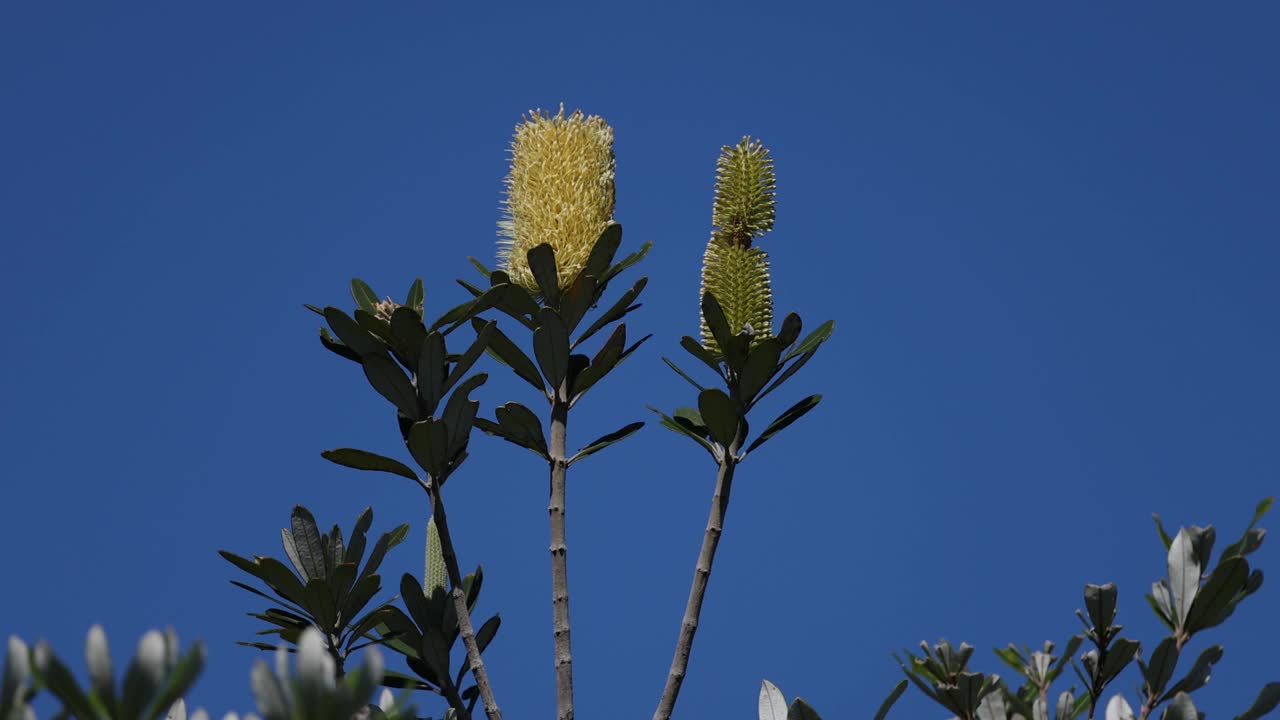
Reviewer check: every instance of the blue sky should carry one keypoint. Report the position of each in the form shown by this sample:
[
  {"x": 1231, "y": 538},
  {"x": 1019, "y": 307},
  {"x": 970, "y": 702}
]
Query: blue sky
[{"x": 1047, "y": 237}]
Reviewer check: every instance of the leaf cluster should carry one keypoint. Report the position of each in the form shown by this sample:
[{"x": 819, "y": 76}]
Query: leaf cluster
[{"x": 326, "y": 588}]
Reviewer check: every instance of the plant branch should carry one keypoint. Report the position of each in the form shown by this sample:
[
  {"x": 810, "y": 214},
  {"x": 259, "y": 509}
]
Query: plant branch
[
  {"x": 559, "y": 562},
  {"x": 701, "y": 576},
  {"x": 491, "y": 709}
]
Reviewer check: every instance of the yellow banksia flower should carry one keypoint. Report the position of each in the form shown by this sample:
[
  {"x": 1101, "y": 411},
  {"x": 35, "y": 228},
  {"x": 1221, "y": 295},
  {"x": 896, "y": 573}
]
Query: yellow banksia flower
[
  {"x": 734, "y": 271},
  {"x": 559, "y": 191}
]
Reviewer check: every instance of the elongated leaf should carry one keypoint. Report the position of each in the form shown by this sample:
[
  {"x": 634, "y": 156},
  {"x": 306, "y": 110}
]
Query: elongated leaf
[
  {"x": 523, "y": 424},
  {"x": 1226, "y": 581},
  {"x": 1100, "y": 601},
  {"x": 671, "y": 424},
  {"x": 1164, "y": 536},
  {"x": 694, "y": 348},
  {"x": 1199, "y": 673},
  {"x": 762, "y": 363},
  {"x": 576, "y": 300},
  {"x": 785, "y": 375},
  {"x": 508, "y": 353},
  {"x": 351, "y": 334},
  {"x": 306, "y": 538},
  {"x": 1184, "y": 575},
  {"x": 431, "y": 372},
  {"x": 364, "y": 295},
  {"x": 615, "y": 312},
  {"x": 773, "y": 706},
  {"x": 365, "y": 460},
  {"x": 605, "y": 441},
  {"x": 473, "y": 353},
  {"x": 894, "y": 694},
  {"x": 391, "y": 383},
  {"x": 542, "y": 263},
  {"x": 791, "y": 325},
  {"x": 792, "y": 414},
  {"x": 812, "y": 340},
  {"x": 61, "y": 683},
  {"x": 1160, "y": 671},
  {"x": 1182, "y": 708},
  {"x": 486, "y": 272},
  {"x": 336, "y": 347},
  {"x": 460, "y": 412},
  {"x": 291, "y": 551},
  {"x": 551, "y": 348},
  {"x": 428, "y": 441},
  {"x": 1268, "y": 699},
  {"x": 414, "y": 299},
  {"x": 800, "y": 710},
  {"x": 716, "y": 321},
  {"x": 603, "y": 251},
  {"x": 720, "y": 414},
  {"x": 606, "y": 359},
  {"x": 1251, "y": 539},
  {"x": 683, "y": 374},
  {"x": 626, "y": 262},
  {"x": 408, "y": 333}
]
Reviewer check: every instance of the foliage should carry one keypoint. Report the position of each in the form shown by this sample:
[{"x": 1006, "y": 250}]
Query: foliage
[
  {"x": 558, "y": 245},
  {"x": 329, "y": 591}
]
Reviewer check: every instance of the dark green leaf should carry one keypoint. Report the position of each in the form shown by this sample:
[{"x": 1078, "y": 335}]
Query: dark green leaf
[
  {"x": 429, "y": 443},
  {"x": 605, "y": 441},
  {"x": 62, "y": 684},
  {"x": 1251, "y": 539},
  {"x": 762, "y": 363},
  {"x": 696, "y": 349},
  {"x": 468, "y": 358},
  {"x": 1164, "y": 536},
  {"x": 487, "y": 631},
  {"x": 306, "y": 538},
  {"x": 606, "y": 358},
  {"x": 720, "y": 414},
  {"x": 1100, "y": 601},
  {"x": 460, "y": 412},
  {"x": 408, "y": 332},
  {"x": 522, "y": 425},
  {"x": 1199, "y": 673},
  {"x": 691, "y": 419},
  {"x": 786, "y": 374},
  {"x": 1181, "y": 709},
  {"x": 435, "y": 651},
  {"x": 380, "y": 548},
  {"x": 812, "y": 340},
  {"x": 364, "y": 460},
  {"x": 1268, "y": 699},
  {"x": 1119, "y": 656},
  {"x": 505, "y": 351},
  {"x": 336, "y": 347},
  {"x": 671, "y": 424},
  {"x": 542, "y": 264},
  {"x": 351, "y": 334},
  {"x": 791, "y": 325},
  {"x": 1226, "y": 581},
  {"x": 576, "y": 300},
  {"x": 602, "y": 252},
  {"x": 683, "y": 374},
  {"x": 366, "y": 299},
  {"x": 391, "y": 383},
  {"x": 1184, "y": 575},
  {"x": 792, "y": 414},
  {"x": 894, "y": 694},
  {"x": 1163, "y": 661},
  {"x": 431, "y": 372},
  {"x": 551, "y": 348},
  {"x": 716, "y": 320},
  {"x": 800, "y": 710},
  {"x": 414, "y": 299},
  {"x": 400, "y": 681},
  {"x": 615, "y": 312},
  {"x": 626, "y": 263}
]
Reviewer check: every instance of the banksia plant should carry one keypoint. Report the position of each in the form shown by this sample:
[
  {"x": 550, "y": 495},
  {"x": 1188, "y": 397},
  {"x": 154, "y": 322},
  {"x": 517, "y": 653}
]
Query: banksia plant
[
  {"x": 733, "y": 270},
  {"x": 739, "y": 346},
  {"x": 559, "y": 191},
  {"x": 557, "y": 244}
]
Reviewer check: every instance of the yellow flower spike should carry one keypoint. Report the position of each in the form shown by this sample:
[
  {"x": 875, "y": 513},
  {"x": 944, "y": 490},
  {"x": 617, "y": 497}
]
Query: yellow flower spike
[
  {"x": 736, "y": 273},
  {"x": 559, "y": 191}
]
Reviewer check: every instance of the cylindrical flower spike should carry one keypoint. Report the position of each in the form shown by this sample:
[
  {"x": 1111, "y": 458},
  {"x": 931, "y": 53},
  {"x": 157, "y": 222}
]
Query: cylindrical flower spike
[
  {"x": 559, "y": 191},
  {"x": 736, "y": 273}
]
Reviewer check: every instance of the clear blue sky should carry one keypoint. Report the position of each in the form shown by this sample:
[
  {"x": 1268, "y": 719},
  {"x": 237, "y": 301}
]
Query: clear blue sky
[{"x": 1048, "y": 238}]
